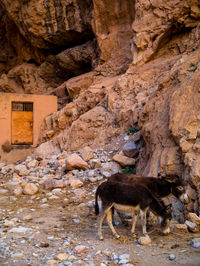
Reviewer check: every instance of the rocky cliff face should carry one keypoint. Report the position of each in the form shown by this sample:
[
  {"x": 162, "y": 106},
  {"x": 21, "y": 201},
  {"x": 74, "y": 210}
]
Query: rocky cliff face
[{"x": 113, "y": 65}]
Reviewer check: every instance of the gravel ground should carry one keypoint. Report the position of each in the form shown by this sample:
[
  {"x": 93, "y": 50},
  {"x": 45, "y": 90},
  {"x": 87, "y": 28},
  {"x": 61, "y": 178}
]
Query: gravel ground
[{"x": 36, "y": 230}]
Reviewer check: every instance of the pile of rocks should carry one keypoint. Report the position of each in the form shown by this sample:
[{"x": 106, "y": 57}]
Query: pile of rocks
[
  {"x": 61, "y": 171},
  {"x": 192, "y": 224}
]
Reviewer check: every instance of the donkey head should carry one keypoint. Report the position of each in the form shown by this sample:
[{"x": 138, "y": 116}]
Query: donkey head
[
  {"x": 165, "y": 224},
  {"x": 177, "y": 188},
  {"x": 180, "y": 193}
]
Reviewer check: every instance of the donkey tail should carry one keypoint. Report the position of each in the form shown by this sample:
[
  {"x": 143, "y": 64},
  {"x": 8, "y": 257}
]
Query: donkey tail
[{"x": 96, "y": 202}]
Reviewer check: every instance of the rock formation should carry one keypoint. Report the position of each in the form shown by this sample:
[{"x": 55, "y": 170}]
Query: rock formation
[{"x": 113, "y": 65}]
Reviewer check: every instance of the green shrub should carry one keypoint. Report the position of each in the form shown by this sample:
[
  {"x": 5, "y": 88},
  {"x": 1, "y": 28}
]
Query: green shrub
[
  {"x": 132, "y": 130},
  {"x": 129, "y": 170}
]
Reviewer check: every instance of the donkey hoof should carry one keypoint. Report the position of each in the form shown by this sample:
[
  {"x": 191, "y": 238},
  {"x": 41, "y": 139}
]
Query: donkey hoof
[
  {"x": 134, "y": 235},
  {"x": 166, "y": 231},
  {"x": 117, "y": 236}
]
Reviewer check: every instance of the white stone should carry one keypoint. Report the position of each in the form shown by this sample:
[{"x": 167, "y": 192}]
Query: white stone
[
  {"x": 9, "y": 223},
  {"x": 191, "y": 226},
  {"x": 19, "y": 229},
  {"x": 124, "y": 257},
  {"x": 7, "y": 169},
  {"x": 17, "y": 256},
  {"x": 32, "y": 164},
  {"x": 80, "y": 249},
  {"x": 57, "y": 191},
  {"x": 28, "y": 217},
  {"x": 52, "y": 262},
  {"x": 21, "y": 170},
  {"x": 144, "y": 240},
  {"x": 171, "y": 257},
  {"x": 62, "y": 256}
]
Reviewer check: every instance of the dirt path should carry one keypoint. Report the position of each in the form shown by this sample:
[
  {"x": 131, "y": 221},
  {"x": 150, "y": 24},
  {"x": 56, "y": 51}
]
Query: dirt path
[{"x": 35, "y": 231}]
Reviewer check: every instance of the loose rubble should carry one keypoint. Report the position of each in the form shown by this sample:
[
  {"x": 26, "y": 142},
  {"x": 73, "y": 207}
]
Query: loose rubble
[{"x": 44, "y": 215}]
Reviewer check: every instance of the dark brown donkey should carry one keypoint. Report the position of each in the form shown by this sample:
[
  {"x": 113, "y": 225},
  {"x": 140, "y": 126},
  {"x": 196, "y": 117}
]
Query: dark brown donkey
[
  {"x": 129, "y": 198},
  {"x": 160, "y": 187}
]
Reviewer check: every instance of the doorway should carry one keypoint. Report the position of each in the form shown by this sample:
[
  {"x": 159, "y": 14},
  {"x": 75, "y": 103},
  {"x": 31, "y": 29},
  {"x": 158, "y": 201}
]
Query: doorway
[{"x": 22, "y": 123}]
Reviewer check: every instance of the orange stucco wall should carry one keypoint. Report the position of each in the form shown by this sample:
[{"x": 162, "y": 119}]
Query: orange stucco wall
[{"x": 43, "y": 105}]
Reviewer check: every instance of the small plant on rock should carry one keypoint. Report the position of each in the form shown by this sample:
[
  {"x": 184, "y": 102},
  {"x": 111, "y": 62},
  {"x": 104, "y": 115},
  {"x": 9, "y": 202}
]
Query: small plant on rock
[
  {"x": 132, "y": 130},
  {"x": 129, "y": 170}
]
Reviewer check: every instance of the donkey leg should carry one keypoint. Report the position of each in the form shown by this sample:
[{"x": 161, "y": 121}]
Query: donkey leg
[
  {"x": 143, "y": 215},
  {"x": 134, "y": 220},
  {"x": 109, "y": 220},
  {"x": 100, "y": 220}
]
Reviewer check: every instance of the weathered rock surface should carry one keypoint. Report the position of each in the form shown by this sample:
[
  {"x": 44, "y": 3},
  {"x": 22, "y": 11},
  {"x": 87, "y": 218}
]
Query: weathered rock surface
[{"x": 51, "y": 23}]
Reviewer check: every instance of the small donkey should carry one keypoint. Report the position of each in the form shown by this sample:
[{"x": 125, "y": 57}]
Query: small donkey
[{"x": 129, "y": 198}]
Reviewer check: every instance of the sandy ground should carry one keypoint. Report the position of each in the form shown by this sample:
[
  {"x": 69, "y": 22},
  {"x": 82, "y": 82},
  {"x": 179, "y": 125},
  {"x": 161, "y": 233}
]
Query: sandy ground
[{"x": 56, "y": 227}]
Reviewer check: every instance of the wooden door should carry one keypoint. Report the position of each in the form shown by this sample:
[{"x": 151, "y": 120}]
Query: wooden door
[{"x": 22, "y": 123}]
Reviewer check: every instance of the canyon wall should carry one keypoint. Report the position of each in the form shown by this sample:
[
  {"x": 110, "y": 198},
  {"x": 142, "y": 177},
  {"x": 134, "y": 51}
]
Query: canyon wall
[{"x": 113, "y": 65}]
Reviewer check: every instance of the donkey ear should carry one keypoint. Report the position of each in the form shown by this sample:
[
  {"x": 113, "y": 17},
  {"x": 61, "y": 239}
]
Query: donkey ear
[
  {"x": 172, "y": 178},
  {"x": 169, "y": 208}
]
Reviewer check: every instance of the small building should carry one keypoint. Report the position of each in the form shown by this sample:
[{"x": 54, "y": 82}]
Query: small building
[{"x": 21, "y": 116}]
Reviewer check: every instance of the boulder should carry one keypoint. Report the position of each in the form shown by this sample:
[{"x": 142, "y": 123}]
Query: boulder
[
  {"x": 30, "y": 189},
  {"x": 46, "y": 149},
  {"x": 130, "y": 149},
  {"x": 76, "y": 61},
  {"x": 123, "y": 160},
  {"x": 74, "y": 161},
  {"x": 21, "y": 170},
  {"x": 74, "y": 183},
  {"x": 180, "y": 228},
  {"x": 144, "y": 240},
  {"x": 95, "y": 163},
  {"x": 193, "y": 218},
  {"x": 191, "y": 226},
  {"x": 110, "y": 168},
  {"x": 87, "y": 153},
  {"x": 32, "y": 164},
  {"x": 51, "y": 183}
]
